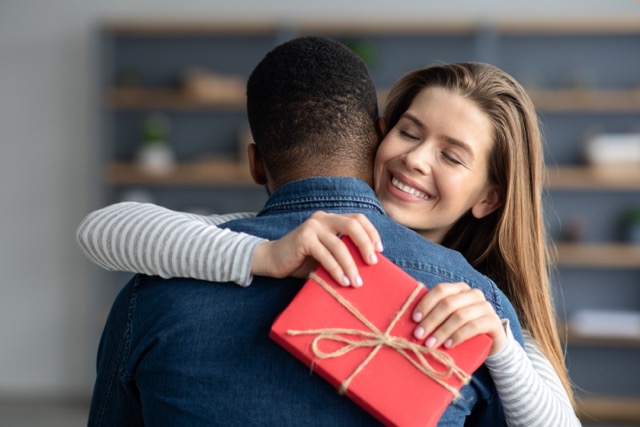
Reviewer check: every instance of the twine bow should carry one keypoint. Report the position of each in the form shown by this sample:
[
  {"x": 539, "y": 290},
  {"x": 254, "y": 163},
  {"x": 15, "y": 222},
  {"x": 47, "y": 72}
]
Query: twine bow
[{"x": 355, "y": 338}]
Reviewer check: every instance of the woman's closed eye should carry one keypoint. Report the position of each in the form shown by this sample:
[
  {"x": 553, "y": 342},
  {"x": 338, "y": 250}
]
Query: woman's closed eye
[
  {"x": 409, "y": 135},
  {"x": 451, "y": 159}
]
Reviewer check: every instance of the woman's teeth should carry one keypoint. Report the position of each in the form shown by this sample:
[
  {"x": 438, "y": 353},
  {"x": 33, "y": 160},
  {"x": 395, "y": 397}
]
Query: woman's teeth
[{"x": 407, "y": 189}]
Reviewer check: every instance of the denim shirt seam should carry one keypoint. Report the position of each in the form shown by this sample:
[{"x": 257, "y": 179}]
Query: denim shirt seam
[
  {"x": 125, "y": 374},
  {"x": 332, "y": 202}
]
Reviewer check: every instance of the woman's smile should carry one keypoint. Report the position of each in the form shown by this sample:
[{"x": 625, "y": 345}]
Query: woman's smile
[{"x": 407, "y": 189}]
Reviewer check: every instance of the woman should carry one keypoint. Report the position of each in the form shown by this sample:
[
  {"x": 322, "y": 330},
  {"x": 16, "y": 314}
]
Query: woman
[{"x": 461, "y": 164}]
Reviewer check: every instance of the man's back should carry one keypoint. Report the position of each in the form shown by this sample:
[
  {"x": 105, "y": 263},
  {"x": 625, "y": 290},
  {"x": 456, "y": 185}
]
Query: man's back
[{"x": 196, "y": 353}]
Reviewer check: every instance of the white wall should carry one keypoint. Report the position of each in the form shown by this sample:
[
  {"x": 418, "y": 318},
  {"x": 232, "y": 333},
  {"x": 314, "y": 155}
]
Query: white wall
[{"x": 48, "y": 99}]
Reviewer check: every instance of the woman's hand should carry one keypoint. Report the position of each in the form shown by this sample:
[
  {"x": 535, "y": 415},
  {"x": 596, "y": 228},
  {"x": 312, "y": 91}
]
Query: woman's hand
[
  {"x": 451, "y": 313},
  {"x": 316, "y": 241}
]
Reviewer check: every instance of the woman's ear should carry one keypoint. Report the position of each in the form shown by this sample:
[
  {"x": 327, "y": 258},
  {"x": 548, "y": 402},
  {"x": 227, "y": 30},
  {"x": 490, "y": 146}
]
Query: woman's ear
[
  {"x": 382, "y": 127},
  {"x": 256, "y": 165},
  {"x": 488, "y": 204}
]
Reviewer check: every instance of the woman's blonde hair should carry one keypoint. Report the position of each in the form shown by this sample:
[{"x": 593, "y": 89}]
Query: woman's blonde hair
[{"x": 509, "y": 245}]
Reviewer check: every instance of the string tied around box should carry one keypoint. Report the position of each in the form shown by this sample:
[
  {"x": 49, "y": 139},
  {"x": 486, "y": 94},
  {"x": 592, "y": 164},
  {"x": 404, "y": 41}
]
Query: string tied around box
[{"x": 377, "y": 339}]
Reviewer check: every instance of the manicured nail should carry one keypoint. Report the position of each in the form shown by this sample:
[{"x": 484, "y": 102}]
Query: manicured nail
[
  {"x": 417, "y": 316},
  {"x": 448, "y": 343},
  {"x": 430, "y": 342},
  {"x": 379, "y": 247},
  {"x": 345, "y": 281},
  {"x": 373, "y": 259},
  {"x": 419, "y": 332},
  {"x": 357, "y": 281}
]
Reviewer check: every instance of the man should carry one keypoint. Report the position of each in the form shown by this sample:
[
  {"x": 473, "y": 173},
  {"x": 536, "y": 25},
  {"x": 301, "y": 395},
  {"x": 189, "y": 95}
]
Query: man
[{"x": 185, "y": 352}]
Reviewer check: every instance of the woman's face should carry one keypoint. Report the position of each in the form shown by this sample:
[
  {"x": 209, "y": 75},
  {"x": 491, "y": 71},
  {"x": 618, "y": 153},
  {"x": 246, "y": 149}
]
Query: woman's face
[{"x": 432, "y": 167}]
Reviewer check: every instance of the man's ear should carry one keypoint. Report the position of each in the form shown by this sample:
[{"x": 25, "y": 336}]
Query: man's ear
[
  {"x": 256, "y": 165},
  {"x": 488, "y": 204}
]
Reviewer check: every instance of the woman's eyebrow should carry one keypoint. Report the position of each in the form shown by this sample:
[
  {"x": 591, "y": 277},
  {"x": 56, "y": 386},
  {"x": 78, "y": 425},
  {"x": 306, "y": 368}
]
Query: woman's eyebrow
[
  {"x": 407, "y": 115},
  {"x": 453, "y": 141}
]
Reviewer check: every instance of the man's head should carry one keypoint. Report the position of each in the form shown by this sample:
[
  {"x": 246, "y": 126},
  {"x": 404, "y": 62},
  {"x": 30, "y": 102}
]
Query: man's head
[{"x": 313, "y": 112}]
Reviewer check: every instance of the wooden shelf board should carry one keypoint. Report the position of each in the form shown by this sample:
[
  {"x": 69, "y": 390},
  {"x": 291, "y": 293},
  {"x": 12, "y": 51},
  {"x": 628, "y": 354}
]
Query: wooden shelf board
[
  {"x": 346, "y": 27},
  {"x": 594, "y": 178},
  {"x": 545, "y": 100},
  {"x": 169, "y": 99},
  {"x": 587, "y": 26},
  {"x": 196, "y": 26},
  {"x": 602, "y": 341},
  {"x": 609, "y": 409},
  {"x": 574, "y": 100},
  {"x": 598, "y": 255},
  {"x": 204, "y": 173}
]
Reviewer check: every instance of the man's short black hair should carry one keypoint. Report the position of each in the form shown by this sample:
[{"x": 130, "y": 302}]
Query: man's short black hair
[{"x": 309, "y": 101}]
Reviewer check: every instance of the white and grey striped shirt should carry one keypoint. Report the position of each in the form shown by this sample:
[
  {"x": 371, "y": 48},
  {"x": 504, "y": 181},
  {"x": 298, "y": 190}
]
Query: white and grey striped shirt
[{"x": 149, "y": 239}]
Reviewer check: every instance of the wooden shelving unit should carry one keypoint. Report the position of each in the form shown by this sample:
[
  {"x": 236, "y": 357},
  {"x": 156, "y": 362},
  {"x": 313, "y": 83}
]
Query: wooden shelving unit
[{"x": 124, "y": 106}]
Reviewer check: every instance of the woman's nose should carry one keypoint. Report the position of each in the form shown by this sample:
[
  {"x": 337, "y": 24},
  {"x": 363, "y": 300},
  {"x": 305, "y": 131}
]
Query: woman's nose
[{"x": 419, "y": 159}]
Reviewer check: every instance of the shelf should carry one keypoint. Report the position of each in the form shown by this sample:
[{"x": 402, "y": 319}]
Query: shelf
[
  {"x": 560, "y": 26},
  {"x": 594, "y": 178},
  {"x": 194, "y": 27},
  {"x": 609, "y": 409},
  {"x": 199, "y": 26},
  {"x": 169, "y": 99},
  {"x": 545, "y": 100},
  {"x": 602, "y": 341},
  {"x": 177, "y": 99},
  {"x": 204, "y": 173},
  {"x": 575, "y": 100},
  {"x": 598, "y": 255}
]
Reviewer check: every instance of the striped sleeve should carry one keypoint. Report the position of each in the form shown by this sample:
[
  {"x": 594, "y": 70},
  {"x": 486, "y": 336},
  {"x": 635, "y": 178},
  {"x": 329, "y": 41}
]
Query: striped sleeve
[
  {"x": 150, "y": 239},
  {"x": 531, "y": 392}
]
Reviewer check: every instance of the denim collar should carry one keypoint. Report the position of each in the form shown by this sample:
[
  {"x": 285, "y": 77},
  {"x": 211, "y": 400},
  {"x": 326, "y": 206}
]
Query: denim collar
[{"x": 323, "y": 193}]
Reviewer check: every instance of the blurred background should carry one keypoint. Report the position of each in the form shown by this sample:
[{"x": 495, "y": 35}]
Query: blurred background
[{"x": 143, "y": 100}]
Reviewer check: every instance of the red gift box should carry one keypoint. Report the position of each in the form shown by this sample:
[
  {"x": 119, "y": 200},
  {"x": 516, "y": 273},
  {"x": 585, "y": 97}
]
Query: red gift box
[{"x": 361, "y": 341}]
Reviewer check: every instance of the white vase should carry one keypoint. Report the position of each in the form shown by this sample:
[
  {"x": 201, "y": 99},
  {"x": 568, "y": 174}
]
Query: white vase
[{"x": 156, "y": 159}]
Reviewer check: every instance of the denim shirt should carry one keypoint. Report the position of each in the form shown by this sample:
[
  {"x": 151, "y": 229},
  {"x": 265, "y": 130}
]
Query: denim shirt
[{"x": 185, "y": 352}]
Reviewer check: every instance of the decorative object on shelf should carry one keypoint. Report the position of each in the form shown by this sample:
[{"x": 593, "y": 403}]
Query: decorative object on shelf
[
  {"x": 139, "y": 195},
  {"x": 613, "y": 148},
  {"x": 605, "y": 323},
  {"x": 574, "y": 230},
  {"x": 208, "y": 86},
  {"x": 128, "y": 78},
  {"x": 365, "y": 49},
  {"x": 155, "y": 156},
  {"x": 583, "y": 79},
  {"x": 631, "y": 225}
]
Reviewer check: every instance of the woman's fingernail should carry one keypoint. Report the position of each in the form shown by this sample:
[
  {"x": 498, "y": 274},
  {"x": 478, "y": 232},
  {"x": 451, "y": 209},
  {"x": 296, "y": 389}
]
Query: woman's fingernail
[
  {"x": 373, "y": 258},
  {"x": 430, "y": 342},
  {"x": 448, "y": 343},
  {"x": 345, "y": 281},
  {"x": 357, "y": 281},
  {"x": 417, "y": 316},
  {"x": 419, "y": 332},
  {"x": 379, "y": 247}
]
